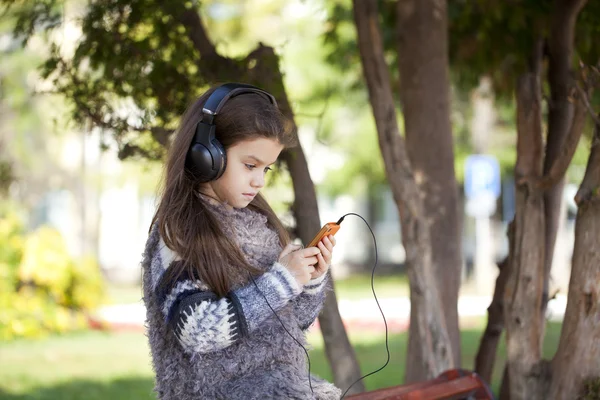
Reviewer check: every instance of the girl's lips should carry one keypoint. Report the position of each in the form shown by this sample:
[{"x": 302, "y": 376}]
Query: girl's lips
[{"x": 250, "y": 195}]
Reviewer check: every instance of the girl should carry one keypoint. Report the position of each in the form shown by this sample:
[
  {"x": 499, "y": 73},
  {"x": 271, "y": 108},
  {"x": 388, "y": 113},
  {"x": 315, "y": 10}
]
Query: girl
[{"x": 228, "y": 298}]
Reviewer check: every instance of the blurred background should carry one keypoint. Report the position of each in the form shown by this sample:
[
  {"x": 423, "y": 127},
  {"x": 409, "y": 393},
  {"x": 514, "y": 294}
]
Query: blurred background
[{"x": 74, "y": 212}]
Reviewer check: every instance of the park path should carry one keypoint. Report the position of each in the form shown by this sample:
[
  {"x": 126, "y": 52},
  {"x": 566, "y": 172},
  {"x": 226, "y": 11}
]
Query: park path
[{"x": 358, "y": 315}]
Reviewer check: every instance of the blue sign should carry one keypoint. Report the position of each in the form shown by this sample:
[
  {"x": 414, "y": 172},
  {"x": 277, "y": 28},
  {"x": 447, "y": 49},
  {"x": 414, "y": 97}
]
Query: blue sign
[{"x": 482, "y": 176}]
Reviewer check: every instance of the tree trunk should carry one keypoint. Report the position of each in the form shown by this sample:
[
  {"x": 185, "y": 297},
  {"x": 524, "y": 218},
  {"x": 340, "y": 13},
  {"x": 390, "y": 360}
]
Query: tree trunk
[
  {"x": 560, "y": 115},
  {"x": 538, "y": 197},
  {"x": 486, "y": 354},
  {"x": 434, "y": 350},
  {"x": 578, "y": 356},
  {"x": 265, "y": 72},
  {"x": 424, "y": 92},
  {"x": 524, "y": 285}
]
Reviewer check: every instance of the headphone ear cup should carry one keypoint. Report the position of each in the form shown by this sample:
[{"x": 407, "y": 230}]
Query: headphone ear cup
[
  {"x": 220, "y": 158},
  {"x": 206, "y": 157},
  {"x": 200, "y": 162}
]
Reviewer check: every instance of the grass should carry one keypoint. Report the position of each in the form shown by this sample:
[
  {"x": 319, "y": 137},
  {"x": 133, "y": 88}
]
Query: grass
[
  {"x": 359, "y": 286},
  {"x": 116, "y": 366}
]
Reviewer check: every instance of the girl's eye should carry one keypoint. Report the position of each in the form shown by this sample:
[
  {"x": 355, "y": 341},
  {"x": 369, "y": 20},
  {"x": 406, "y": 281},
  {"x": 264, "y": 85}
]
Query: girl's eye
[
  {"x": 250, "y": 166},
  {"x": 267, "y": 169}
]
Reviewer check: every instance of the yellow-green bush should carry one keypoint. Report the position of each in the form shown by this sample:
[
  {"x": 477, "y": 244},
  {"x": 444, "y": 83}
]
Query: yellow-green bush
[{"x": 42, "y": 289}]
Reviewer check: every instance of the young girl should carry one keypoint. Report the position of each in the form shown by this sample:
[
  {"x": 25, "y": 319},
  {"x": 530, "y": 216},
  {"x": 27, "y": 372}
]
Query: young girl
[{"x": 227, "y": 295}]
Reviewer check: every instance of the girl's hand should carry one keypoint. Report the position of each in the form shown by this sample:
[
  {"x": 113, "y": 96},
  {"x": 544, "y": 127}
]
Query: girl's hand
[
  {"x": 326, "y": 246},
  {"x": 299, "y": 262}
]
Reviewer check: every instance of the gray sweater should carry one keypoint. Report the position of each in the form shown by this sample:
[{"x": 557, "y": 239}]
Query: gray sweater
[{"x": 233, "y": 347}]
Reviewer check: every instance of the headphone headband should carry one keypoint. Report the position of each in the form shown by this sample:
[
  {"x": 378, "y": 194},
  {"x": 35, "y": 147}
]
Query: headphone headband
[{"x": 223, "y": 93}]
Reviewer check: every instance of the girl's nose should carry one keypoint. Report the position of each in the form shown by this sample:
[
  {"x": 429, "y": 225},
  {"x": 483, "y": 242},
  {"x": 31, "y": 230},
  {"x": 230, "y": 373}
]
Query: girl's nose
[{"x": 258, "y": 180}]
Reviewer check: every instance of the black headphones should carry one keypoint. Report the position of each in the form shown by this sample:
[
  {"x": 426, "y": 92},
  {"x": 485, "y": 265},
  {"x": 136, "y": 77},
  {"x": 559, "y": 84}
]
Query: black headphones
[{"x": 206, "y": 158}]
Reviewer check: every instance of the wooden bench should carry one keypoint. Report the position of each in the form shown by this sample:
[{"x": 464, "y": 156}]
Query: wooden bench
[{"x": 451, "y": 385}]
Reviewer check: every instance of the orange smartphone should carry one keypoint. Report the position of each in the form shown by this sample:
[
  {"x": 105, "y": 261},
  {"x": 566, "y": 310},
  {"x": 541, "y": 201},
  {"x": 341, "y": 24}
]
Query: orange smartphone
[{"x": 329, "y": 228}]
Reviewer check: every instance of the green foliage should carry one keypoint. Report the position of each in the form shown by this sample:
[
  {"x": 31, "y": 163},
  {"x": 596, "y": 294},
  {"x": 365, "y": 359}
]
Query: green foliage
[
  {"x": 485, "y": 37},
  {"x": 133, "y": 55},
  {"x": 42, "y": 289},
  {"x": 12, "y": 251},
  {"x": 30, "y": 16},
  {"x": 137, "y": 55},
  {"x": 492, "y": 38}
]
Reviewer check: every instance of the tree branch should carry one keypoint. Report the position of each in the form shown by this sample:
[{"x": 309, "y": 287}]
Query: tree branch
[
  {"x": 212, "y": 61},
  {"x": 119, "y": 126},
  {"x": 161, "y": 135},
  {"x": 589, "y": 186},
  {"x": 561, "y": 115},
  {"x": 563, "y": 159},
  {"x": 197, "y": 33},
  {"x": 486, "y": 354},
  {"x": 129, "y": 150},
  {"x": 586, "y": 102},
  {"x": 529, "y": 124}
]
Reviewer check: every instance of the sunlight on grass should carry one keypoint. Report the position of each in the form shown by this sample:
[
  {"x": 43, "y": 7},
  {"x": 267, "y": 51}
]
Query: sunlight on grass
[
  {"x": 359, "y": 286},
  {"x": 99, "y": 359},
  {"x": 95, "y": 365}
]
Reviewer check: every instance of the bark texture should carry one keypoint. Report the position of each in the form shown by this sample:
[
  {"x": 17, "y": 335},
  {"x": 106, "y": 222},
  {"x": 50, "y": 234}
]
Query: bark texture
[
  {"x": 425, "y": 98},
  {"x": 486, "y": 354},
  {"x": 560, "y": 115},
  {"x": 434, "y": 349},
  {"x": 522, "y": 297},
  {"x": 539, "y": 173},
  {"x": 578, "y": 356}
]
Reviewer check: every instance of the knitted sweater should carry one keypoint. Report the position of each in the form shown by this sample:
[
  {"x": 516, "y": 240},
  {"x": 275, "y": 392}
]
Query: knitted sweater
[{"x": 233, "y": 347}]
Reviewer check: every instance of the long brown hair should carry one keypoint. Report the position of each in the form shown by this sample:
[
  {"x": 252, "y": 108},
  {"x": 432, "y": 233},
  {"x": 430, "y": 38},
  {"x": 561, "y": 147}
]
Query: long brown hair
[{"x": 184, "y": 220}]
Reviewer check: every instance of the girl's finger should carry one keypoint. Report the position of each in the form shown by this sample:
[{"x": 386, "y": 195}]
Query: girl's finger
[
  {"x": 325, "y": 251},
  {"x": 325, "y": 247},
  {"x": 310, "y": 251},
  {"x": 311, "y": 260},
  {"x": 328, "y": 242},
  {"x": 322, "y": 262}
]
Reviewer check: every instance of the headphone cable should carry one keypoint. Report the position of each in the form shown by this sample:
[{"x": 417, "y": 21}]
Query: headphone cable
[
  {"x": 376, "y": 300},
  {"x": 387, "y": 348},
  {"x": 288, "y": 332}
]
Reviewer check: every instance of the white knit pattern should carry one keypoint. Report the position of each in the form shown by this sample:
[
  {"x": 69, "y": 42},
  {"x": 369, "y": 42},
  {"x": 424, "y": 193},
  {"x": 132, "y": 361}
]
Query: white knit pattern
[
  {"x": 166, "y": 257},
  {"x": 179, "y": 288},
  {"x": 315, "y": 285},
  {"x": 207, "y": 327}
]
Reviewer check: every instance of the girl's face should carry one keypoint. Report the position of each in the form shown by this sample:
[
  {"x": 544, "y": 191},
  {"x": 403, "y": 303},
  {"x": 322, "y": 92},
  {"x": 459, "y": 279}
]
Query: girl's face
[{"x": 248, "y": 162}]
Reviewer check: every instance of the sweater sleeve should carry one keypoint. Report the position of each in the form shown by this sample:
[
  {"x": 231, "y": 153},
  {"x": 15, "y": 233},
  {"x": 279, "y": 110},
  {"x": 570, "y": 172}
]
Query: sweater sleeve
[
  {"x": 204, "y": 323},
  {"x": 309, "y": 303}
]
